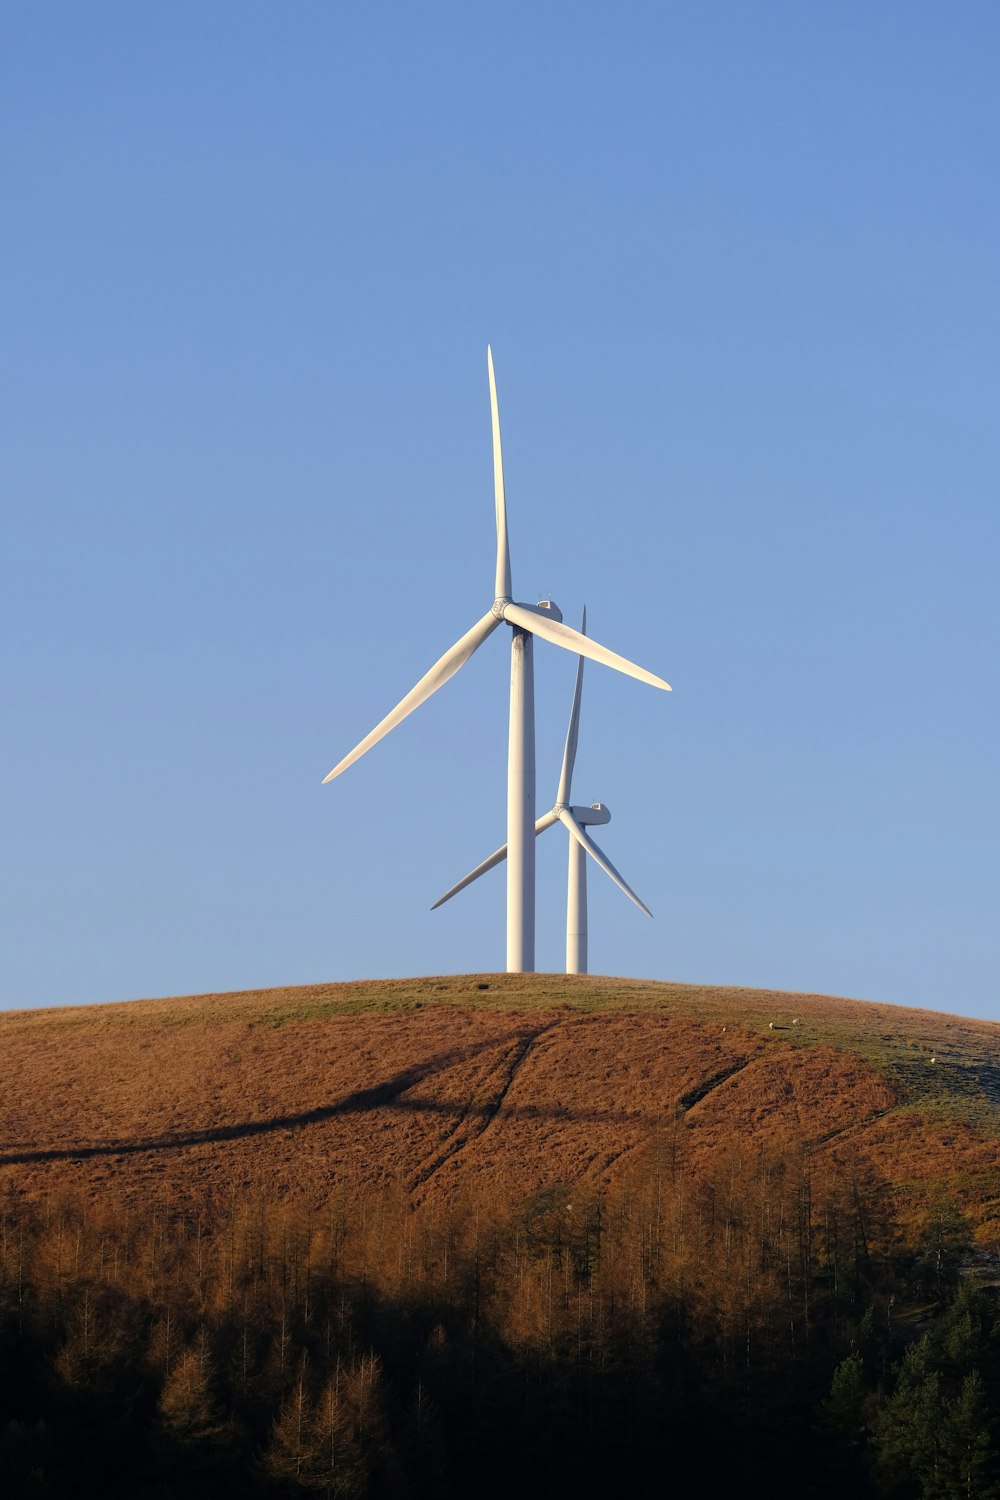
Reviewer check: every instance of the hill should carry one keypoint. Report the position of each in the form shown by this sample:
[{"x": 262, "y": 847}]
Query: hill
[
  {"x": 445, "y": 1085},
  {"x": 480, "y": 1234}
]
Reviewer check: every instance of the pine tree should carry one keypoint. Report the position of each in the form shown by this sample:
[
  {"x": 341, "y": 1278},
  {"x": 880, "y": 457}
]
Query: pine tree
[
  {"x": 339, "y": 1467},
  {"x": 291, "y": 1451},
  {"x": 185, "y": 1406},
  {"x": 844, "y": 1408},
  {"x": 907, "y": 1431},
  {"x": 967, "y": 1468}
]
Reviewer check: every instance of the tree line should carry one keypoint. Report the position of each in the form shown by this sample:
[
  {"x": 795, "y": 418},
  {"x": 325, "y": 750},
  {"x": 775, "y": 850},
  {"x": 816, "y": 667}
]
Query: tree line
[{"x": 765, "y": 1325}]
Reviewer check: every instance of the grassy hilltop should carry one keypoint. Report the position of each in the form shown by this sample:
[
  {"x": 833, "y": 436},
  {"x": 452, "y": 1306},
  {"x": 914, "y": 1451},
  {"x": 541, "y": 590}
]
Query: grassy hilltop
[
  {"x": 438, "y": 1083},
  {"x": 490, "y": 1233}
]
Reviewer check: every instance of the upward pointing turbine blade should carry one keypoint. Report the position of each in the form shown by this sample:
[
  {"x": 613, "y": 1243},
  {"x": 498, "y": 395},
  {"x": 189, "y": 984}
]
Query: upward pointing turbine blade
[
  {"x": 573, "y": 732},
  {"x": 502, "y": 585},
  {"x": 439, "y": 674},
  {"x": 598, "y": 855},
  {"x": 540, "y": 622},
  {"x": 496, "y": 858}
]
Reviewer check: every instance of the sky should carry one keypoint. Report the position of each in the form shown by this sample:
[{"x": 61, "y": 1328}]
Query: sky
[{"x": 738, "y": 267}]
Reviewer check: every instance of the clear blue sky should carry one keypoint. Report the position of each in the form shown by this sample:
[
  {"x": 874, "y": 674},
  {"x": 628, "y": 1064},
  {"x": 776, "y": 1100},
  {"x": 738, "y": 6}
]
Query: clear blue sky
[{"x": 738, "y": 265}]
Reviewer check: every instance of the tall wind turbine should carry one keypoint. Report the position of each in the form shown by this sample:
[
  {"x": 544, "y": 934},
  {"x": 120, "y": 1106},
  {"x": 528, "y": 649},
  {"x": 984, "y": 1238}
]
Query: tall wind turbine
[
  {"x": 526, "y": 621},
  {"x": 575, "y": 820}
]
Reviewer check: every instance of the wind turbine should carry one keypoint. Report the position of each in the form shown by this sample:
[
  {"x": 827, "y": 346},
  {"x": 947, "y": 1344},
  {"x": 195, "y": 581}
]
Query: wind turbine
[
  {"x": 575, "y": 820},
  {"x": 526, "y": 621}
]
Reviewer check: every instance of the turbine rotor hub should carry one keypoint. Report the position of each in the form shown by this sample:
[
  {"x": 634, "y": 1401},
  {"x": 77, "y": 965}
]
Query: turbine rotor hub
[{"x": 499, "y": 605}]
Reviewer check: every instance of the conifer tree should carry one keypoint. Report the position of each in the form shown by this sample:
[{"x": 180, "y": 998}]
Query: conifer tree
[
  {"x": 844, "y": 1408},
  {"x": 907, "y": 1430},
  {"x": 339, "y": 1467},
  {"x": 291, "y": 1451},
  {"x": 967, "y": 1467},
  {"x": 185, "y": 1407}
]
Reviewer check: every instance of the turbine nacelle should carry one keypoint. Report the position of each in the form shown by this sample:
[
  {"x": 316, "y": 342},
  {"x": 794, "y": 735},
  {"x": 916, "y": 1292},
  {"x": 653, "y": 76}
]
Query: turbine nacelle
[
  {"x": 595, "y": 814},
  {"x": 551, "y": 608}
]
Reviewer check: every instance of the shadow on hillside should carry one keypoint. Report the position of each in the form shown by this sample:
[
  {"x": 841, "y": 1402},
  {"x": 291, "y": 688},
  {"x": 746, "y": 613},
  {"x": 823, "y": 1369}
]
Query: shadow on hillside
[{"x": 391, "y": 1093}]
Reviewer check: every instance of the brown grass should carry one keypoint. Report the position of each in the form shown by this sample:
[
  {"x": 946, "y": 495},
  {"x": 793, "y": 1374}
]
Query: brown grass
[{"x": 493, "y": 1082}]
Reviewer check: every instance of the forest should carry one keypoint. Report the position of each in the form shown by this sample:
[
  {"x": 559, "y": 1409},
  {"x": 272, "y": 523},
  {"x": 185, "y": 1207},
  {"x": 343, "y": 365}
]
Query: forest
[{"x": 766, "y": 1326}]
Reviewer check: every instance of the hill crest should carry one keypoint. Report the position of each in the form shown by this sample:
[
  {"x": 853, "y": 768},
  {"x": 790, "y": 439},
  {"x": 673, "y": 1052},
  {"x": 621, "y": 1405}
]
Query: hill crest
[{"x": 491, "y": 1083}]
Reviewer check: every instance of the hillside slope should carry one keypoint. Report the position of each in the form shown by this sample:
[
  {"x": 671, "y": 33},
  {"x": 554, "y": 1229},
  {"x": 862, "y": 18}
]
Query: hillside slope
[{"x": 506, "y": 1084}]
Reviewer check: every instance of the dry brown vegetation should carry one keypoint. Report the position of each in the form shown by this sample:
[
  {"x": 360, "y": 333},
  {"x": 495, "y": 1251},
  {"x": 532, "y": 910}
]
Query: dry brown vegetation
[
  {"x": 430, "y": 1237},
  {"x": 504, "y": 1084}
]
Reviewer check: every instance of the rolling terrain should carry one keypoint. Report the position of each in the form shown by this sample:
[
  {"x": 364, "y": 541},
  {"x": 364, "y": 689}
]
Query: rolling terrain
[
  {"x": 442, "y": 1087},
  {"x": 479, "y": 1234}
]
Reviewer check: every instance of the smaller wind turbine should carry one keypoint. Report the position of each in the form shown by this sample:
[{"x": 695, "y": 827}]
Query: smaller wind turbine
[{"x": 575, "y": 820}]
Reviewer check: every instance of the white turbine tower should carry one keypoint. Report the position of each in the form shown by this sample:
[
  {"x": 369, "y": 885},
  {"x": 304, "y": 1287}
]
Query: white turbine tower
[
  {"x": 526, "y": 621},
  {"x": 575, "y": 820}
]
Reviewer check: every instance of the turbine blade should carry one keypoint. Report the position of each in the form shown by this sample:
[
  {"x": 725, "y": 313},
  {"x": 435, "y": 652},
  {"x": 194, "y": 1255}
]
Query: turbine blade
[
  {"x": 598, "y": 855},
  {"x": 496, "y": 858},
  {"x": 502, "y": 586},
  {"x": 573, "y": 732},
  {"x": 438, "y": 675},
  {"x": 540, "y": 622}
]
